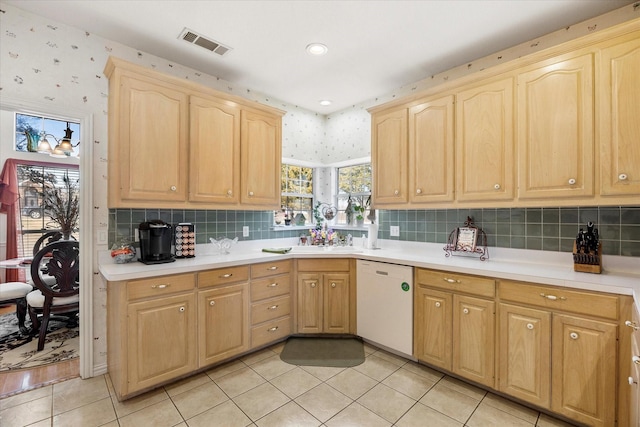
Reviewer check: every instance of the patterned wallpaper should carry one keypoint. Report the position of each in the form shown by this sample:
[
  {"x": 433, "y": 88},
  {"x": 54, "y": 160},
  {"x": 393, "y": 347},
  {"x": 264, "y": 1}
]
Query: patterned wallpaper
[{"x": 47, "y": 63}]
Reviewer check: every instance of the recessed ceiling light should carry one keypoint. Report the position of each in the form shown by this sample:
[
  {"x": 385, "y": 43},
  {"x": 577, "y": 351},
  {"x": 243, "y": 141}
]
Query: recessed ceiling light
[
  {"x": 325, "y": 102},
  {"x": 317, "y": 49}
]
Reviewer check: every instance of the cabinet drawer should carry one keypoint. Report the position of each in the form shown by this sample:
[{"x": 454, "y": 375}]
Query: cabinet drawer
[
  {"x": 589, "y": 303},
  {"x": 270, "y": 331},
  {"x": 159, "y": 286},
  {"x": 270, "y": 287},
  {"x": 270, "y": 309},
  {"x": 223, "y": 276},
  {"x": 323, "y": 264},
  {"x": 455, "y": 282},
  {"x": 270, "y": 268}
]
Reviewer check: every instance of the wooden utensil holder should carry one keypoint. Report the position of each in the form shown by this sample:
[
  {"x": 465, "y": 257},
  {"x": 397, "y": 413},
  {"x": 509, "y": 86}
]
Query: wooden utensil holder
[{"x": 587, "y": 262}]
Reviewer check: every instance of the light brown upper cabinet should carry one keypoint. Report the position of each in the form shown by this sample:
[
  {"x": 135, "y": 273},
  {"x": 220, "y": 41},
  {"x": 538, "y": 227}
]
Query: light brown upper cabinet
[
  {"x": 555, "y": 128},
  {"x": 620, "y": 118},
  {"x": 176, "y": 144},
  {"x": 389, "y": 157},
  {"x": 431, "y": 163},
  {"x": 484, "y": 141}
]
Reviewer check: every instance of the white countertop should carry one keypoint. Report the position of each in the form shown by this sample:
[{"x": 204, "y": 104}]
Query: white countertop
[{"x": 620, "y": 275}]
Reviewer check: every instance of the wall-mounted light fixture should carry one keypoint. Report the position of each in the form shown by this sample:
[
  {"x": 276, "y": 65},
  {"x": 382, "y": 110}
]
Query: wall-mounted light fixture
[{"x": 64, "y": 147}]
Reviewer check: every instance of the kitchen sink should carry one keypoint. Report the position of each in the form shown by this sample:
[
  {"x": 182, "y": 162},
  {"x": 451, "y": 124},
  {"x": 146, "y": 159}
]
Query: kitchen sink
[{"x": 323, "y": 249}]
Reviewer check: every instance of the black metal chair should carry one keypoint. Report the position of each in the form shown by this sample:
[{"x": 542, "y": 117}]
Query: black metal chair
[
  {"x": 55, "y": 272},
  {"x": 46, "y": 239}
]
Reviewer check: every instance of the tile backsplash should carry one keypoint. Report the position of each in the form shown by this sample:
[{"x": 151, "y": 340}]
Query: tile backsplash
[{"x": 549, "y": 229}]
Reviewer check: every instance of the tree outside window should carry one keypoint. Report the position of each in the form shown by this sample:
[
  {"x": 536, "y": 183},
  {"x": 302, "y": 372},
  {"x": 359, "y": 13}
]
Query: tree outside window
[
  {"x": 297, "y": 196},
  {"x": 354, "y": 185}
]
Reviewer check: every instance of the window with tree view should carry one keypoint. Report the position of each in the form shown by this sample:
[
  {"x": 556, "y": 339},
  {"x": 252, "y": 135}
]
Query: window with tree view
[
  {"x": 49, "y": 201},
  {"x": 354, "y": 194},
  {"x": 297, "y": 196}
]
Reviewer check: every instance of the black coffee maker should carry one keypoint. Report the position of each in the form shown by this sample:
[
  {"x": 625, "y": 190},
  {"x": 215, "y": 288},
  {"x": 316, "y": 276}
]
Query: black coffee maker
[{"x": 155, "y": 242}]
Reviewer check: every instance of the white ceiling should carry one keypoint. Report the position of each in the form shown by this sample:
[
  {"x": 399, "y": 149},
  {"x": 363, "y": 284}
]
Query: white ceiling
[{"x": 375, "y": 47}]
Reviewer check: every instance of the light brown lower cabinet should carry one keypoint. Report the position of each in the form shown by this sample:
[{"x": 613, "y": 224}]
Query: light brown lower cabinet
[
  {"x": 455, "y": 331},
  {"x": 633, "y": 330}
]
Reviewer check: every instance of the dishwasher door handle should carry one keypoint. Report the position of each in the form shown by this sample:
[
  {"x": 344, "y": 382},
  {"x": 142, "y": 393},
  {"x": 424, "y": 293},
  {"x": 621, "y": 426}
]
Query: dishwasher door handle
[{"x": 382, "y": 273}]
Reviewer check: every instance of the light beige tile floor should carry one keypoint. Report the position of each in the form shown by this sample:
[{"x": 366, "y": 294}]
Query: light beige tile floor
[{"x": 261, "y": 390}]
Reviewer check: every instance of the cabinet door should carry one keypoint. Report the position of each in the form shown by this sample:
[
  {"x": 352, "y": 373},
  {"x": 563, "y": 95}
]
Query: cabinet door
[
  {"x": 261, "y": 157},
  {"x": 336, "y": 303},
  {"x": 310, "y": 303},
  {"x": 584, "y": 370},
  {"x": 214, "y": 175},
  {"x": 431, "y": 165},
  {"x": 389, "y": 157},
  {"x": 474, "y": 339},
  {"x": 619, "y": 116},
  {"x": 484, "y": 142},
  {"x": 161, "y": 340},
  {"x": 223, "y": 322},
  {"x": 525, "y": 354},
  {"x": 555, "y": 129},
  {"x": 433, "y": 326},
  {"x": 152, "y": 132}
]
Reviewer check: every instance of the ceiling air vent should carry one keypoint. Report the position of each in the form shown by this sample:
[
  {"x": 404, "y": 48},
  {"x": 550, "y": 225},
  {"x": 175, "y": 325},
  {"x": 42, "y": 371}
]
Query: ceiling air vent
[{"x": 195, "y": 38}]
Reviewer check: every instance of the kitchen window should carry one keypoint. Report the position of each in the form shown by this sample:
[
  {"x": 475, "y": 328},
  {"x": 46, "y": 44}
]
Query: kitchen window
[
  {"x": 353, "y": 183},
  {"x": 297, "y": 196}
]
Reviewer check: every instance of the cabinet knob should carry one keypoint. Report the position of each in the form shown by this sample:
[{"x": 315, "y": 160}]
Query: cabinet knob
[
  {"x": 465, "y": 311},
  {"x": 632, "y": 325},
  {"x": 496, "y": 186},
  {"x": 636, "y": 360},
  {"x": 229, "y": 193},
  {"x": 572, "y": 181},
  {"x": 174, "y": 188},
  {"x": 529, "y": 326},
  {"x": 182, "y": 309},
  {"x": 396, "y": 192},
  {"x": 313, "y": 284},
  {"x": 273, "y": 307},
  {"x": 632, "y": 381},
  {"x": 333, "y": 285},
  {"x": 212, "y": 303},
  {"x": 275, "y": 328},
  {"x": 438, "y": 304},
  {"x": 419, "y": 191},
  {"x": 574, "y": 335},
  {"x": 250, "y": 193},
  {"x": 623, "y": 177}
]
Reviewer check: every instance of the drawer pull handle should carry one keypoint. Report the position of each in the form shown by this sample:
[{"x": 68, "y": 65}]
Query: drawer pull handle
[
  {"x": 438, "y": 304},
  {"x": 212, "y": 303},
  {"x": 552, "y": 297},
  {"x": 632, "y": 325},
  {"x": 275, "y": 328},
  {"x": 333, "y": 285},
  {"x": 162, "y": 286},
  {"x": 226, "y": 276},
  {"x": 530, "y": 326},
  {"x": 273, "y": 307},
  {"x": 465, "y": 311},
  {"x": 182, "y": 309},
  {"x": 273, "y": 285},
  {"x": 272, "y": 268},
  {"x": 573, "y": 336},
  {"x": 631, "y": 381},
  {"x": 636, "y": 360},
  {"x": 448, "y": 280}
]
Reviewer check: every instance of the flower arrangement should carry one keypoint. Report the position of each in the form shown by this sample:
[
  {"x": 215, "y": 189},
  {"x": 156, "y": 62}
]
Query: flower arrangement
[
  {"x": 63, "y": 205},
  {"x": 321, "y": 235}
]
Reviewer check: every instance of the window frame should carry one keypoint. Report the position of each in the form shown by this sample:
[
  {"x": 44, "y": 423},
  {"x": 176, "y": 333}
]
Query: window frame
[
  {"x": 283, "y": 213},
  {"x": 363, "y": 195}
]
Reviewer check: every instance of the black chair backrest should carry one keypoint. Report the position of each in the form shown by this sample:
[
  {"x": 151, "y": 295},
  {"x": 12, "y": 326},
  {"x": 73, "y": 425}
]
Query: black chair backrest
[
  {"x": 46, "y": 239},
  {"x": 60, "y": 260}
]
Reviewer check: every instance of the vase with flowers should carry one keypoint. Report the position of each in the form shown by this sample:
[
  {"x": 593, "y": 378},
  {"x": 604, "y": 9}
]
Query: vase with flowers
[{"x": 63, "y": 204}]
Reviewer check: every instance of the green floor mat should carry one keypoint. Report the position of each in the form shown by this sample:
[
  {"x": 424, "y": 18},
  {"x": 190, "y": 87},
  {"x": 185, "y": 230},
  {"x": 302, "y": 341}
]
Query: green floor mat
[{"x": 332, "y": 352}]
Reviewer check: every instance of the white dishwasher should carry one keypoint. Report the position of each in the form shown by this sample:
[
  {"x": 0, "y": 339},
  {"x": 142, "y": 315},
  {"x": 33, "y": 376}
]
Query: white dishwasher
[{"x": 385, "y": 305}]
